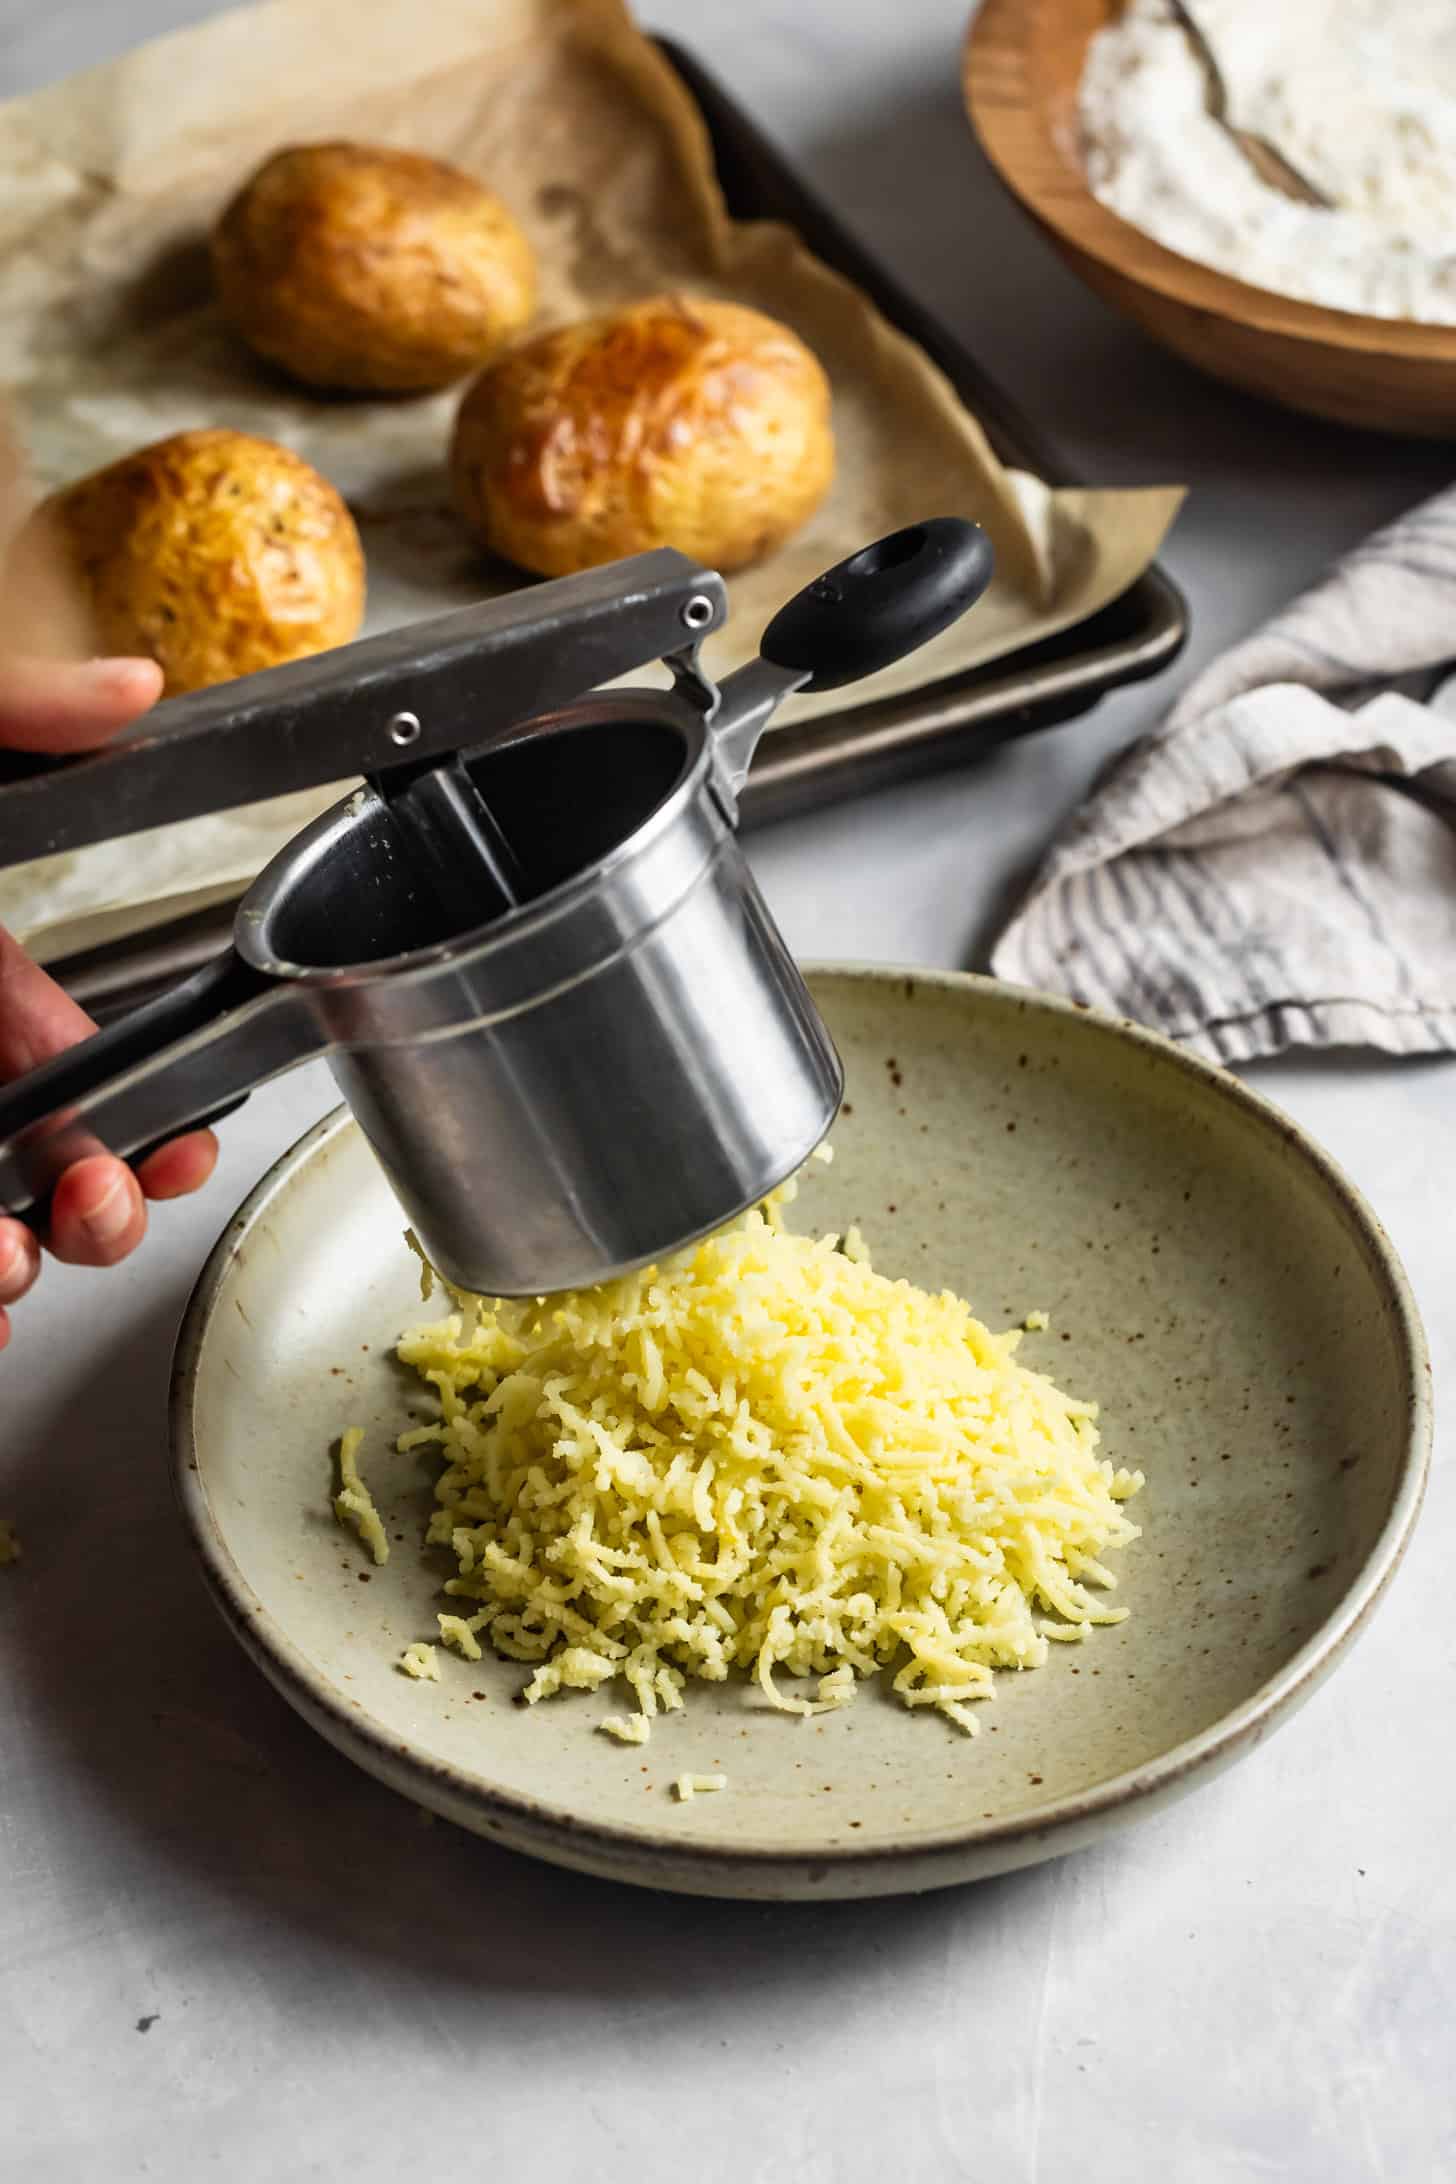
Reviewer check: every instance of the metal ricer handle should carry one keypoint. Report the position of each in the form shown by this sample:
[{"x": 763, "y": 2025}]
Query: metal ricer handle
[
  {"x": 403, "y": 698},
  {"x": 195, "y": 1052}
]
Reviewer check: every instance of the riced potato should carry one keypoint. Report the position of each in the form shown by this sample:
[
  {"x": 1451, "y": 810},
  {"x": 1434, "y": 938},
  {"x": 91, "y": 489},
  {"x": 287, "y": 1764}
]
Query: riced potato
[
  {"x": 354, "y": 1504},
  {"x": 688, "y": 1786},
  {"x": 763, "y": 1456}
]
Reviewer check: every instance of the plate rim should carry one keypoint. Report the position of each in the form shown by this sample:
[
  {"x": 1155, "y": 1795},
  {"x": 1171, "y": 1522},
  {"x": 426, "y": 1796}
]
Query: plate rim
[{"x": 1041, "y": 1830}]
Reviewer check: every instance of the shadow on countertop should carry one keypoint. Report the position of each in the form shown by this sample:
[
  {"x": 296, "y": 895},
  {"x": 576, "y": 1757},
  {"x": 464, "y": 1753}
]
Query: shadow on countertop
[
  {"x": 206, "y": 1817},
  {"x": 194, "y": 1796}
]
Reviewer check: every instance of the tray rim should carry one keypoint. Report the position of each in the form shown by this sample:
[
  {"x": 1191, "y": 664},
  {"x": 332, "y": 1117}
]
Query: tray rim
[{"x": 928, "y": 1859}]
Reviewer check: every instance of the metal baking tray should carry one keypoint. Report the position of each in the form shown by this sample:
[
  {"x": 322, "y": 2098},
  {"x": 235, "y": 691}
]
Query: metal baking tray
[{"x": 918, "y": 732}]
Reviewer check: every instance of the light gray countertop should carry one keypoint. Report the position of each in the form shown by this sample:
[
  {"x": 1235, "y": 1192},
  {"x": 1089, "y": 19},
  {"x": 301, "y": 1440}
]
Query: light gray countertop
[{"x": 1260, "y": 1984}]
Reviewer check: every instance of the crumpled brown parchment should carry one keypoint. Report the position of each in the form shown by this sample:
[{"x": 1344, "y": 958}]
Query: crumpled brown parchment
[{"x": 109, "y": 338}]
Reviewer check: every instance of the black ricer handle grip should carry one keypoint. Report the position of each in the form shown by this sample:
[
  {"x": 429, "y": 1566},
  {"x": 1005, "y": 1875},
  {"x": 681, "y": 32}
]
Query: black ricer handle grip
[
  {"x": 882, "y": 603},
  {"x": 179, "y": 1062}
]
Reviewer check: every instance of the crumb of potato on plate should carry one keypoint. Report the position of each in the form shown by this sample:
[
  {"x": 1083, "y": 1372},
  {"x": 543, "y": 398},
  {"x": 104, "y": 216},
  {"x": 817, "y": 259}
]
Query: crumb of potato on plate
[
  {"x": 689, "y": 1786},
  {"x": 458, "y": 1632},
  {"x": 354, "y": 1504},
  {"x": 627, "y": 1728}
]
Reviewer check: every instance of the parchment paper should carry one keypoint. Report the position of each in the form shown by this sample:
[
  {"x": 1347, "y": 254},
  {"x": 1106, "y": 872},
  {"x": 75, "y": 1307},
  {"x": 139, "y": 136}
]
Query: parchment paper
[{"x": 109, "y": 338}]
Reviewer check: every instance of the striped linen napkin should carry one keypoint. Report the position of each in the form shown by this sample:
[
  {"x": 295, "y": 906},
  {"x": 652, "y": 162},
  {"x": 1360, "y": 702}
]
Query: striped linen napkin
[{"x": 1275, "y": 866}]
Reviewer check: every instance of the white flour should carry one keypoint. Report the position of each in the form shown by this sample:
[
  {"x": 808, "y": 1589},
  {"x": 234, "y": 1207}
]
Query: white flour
[{"x": 1360, "y": 95}]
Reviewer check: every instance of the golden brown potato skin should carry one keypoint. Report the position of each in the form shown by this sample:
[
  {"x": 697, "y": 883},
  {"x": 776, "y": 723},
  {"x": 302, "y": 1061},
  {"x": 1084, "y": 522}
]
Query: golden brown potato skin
[
  {"x": 684, "y": 423},
  {"x": 214, "y": 553},
  {"x": 371, "y": 271}
]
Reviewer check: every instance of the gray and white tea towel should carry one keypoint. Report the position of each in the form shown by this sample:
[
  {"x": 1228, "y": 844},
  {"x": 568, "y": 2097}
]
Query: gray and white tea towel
[{"x": 1276, "y": 865}]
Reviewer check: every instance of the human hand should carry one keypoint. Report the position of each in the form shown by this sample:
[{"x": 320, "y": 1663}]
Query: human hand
[{"x": 58, "y": 704}]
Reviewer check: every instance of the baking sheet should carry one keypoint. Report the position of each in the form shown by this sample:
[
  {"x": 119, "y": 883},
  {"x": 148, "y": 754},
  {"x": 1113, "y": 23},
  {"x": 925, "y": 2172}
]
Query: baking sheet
[{"x": 108, "y": 338}]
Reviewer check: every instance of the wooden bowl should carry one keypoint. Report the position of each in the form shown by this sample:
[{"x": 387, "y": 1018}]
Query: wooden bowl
[{"x": 1022, "y": 68}]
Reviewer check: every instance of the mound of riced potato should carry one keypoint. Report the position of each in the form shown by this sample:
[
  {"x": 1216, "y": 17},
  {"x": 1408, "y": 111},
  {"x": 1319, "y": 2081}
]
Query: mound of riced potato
[{"x": 761, "y": 1455}]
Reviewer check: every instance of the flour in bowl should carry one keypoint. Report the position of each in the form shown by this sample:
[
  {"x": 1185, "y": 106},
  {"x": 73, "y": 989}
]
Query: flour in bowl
[{"x": 1359, "y": 95}]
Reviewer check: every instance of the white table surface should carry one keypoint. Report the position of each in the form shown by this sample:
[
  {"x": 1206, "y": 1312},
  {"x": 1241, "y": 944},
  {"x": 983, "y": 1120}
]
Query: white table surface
[{"x": 224, "y": 1953}]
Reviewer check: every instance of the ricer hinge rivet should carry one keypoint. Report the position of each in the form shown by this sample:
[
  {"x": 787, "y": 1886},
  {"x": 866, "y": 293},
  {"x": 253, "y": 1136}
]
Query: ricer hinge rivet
[
  {"x": 404, "y": 729},
  {"x": 698, "y": 612}
]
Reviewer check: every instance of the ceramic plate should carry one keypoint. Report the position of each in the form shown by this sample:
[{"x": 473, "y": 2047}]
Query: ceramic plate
[{"x": 1212, "y": 1280}]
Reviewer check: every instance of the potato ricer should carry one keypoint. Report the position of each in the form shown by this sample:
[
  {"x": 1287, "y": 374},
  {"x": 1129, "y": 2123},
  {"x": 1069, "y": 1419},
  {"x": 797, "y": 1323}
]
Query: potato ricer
[{"x": 529, "y": 945}]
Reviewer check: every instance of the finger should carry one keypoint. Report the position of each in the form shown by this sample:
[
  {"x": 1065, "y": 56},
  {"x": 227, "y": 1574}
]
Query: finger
[
  {"x": 71, "y": 705},
  {"x": 19, "y": 1261},
  {"x": 44, "y": 607},
  {"x": 37, "y": 1020},
  {"x": 184, "y": 1165},
  {"x": 98, "y": 1214},
  {"x": 4, "y": 1327}
]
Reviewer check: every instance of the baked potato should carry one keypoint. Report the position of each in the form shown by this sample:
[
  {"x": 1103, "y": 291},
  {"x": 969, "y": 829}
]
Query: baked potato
[
  {"x": 675, "y": 422},
  {"x": 371, "y": 271},
  {"x": 212, "y": 552}
]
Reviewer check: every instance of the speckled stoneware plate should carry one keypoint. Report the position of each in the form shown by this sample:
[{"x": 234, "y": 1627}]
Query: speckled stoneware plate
[{"x": 1212, "y": 1280}]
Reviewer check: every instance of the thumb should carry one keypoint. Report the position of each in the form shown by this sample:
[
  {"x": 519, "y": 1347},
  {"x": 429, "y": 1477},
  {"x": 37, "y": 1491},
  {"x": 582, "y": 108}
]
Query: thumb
[{"x": 70, "y": 705}]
